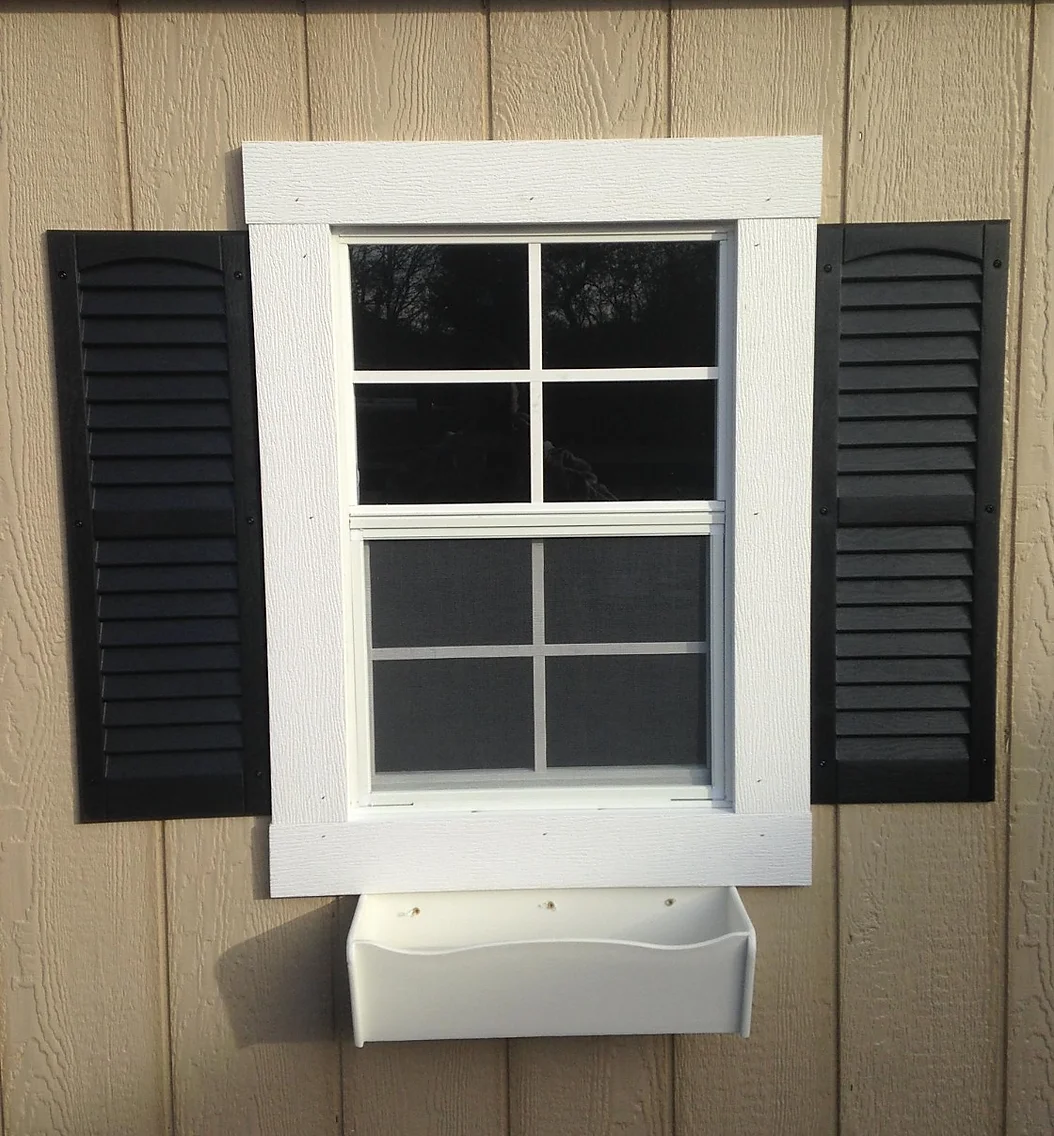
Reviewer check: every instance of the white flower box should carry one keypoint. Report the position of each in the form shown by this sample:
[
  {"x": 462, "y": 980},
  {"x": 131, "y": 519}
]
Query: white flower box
[{"x": 551, "y": 963}]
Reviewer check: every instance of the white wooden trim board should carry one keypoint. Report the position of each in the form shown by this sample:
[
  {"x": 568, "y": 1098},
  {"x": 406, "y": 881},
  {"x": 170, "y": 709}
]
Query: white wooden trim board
[
  {"x": 610, "y": 181},
  {"x": 325, "y": 837}
]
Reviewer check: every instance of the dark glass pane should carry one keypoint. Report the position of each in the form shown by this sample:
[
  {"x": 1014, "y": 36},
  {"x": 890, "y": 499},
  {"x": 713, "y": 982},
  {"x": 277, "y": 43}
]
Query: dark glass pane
[
  {"x": 439, "y": 307},
  {"x": 427, "y": 443},
  {"x": 635, "y": 304},
  {"x": 632, "y": 441},
  {"x": 633, "y": 589},
  {"x": 449, "y": 593},
  {"x": 626, "y": 710},
  {"x": 453, "y": 714}
]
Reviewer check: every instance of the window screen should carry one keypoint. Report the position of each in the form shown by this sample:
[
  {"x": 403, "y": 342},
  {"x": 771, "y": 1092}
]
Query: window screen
[{"x": 539, "y": 654}]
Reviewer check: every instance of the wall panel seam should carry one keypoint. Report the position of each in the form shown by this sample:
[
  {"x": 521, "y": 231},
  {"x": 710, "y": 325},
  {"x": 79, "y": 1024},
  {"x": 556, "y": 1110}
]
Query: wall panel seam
[
  {"x": 163, "y": 922},
  {"x": 847, "y": 87},
  {"x": 488, "y": 72},
  {"x": 846, "y": 91},
  {"x": 122, "y": 103},
  {"x": 306, "y": 70},
  {"x": 1011, "y": 536},
  {"x": 159, "y": 829}
]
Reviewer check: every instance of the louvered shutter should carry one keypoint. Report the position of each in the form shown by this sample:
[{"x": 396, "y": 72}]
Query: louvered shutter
[
  {"x": 156, "y": 391},
  {"x": 909, "y": 378}
]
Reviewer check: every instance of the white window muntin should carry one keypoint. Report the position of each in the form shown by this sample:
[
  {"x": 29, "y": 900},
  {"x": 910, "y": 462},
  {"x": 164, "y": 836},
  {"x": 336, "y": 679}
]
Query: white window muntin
[{"x": 296, "y": 194}]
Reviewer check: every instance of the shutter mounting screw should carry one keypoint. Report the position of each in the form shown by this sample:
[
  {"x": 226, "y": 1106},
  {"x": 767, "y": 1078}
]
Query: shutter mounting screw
[
  {"x": 997, "y": 264},
  {"x": 250, "y": 520},
  {"x": 989, "y": 508},
  {"x": 827, "y": 268},
  {"x": 79, "y": 524},
  {"x": 823, "y": 510},
  {"x": 63, "y": 274},
  {"x": 239, "y": 275}
]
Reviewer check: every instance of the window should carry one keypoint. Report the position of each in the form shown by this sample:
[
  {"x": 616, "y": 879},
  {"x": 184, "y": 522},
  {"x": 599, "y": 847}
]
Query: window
[
  {"x": 535, "y": 438},
  {"x": 548, "y": 386}
]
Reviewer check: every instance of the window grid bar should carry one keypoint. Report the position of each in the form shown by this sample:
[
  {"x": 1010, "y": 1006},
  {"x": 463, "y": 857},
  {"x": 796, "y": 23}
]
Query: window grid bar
[
  {"x": 536, "y": 650},
  {"x": 538, "y": 647},
  {"x": 587, "y": 233},
  {"x": 366, "y": 683},
  {"x": 534, "y": 327},
  {"x": 536, "y": 372}
]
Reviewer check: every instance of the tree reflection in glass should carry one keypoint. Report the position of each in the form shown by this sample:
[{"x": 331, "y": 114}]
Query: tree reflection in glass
[
  {"x": 433, "y": 443},
  {"x": 439, "y": 307},
  {"x": 630, "y": 304}
]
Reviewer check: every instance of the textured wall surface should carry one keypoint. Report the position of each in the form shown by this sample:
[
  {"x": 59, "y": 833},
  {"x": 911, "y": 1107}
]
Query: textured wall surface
[{"x": 147, "y": 983}]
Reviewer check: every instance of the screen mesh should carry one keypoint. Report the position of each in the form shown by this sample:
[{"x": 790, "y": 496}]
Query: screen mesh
[
  {"x": 433, "y": 593},
  {"x": 445, "y": 714},
  {"x": 626, "y": 589},
  {"x": 626, "y": 710},
  {"x": 545, "y": 653}
]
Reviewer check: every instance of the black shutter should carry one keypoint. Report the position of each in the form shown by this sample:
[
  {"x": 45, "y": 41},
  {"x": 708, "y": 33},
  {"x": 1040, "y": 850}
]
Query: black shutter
[
  {"x": 909, "y": 378},
  {"x": 154, "y": 362}
]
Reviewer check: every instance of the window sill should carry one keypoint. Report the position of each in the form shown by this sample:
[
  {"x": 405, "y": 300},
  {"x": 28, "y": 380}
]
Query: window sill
[{"x": 398, "y": 850}]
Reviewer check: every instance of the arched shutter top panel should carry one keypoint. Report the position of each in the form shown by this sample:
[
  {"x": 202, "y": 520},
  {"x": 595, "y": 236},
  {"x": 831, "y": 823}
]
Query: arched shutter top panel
[
  {"x": 909, "y": 379},
  {"x": 154, "y": 362}
]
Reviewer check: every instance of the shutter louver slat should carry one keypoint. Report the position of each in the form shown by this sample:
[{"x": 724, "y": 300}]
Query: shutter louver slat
[
  {"x": 910, "y": 325},
  {"x": 154, "y": 355},
  {"x": 909, "y": 376}
]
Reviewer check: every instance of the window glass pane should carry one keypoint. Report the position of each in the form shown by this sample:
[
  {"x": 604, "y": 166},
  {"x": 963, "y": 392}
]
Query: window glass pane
[
  {"x": 447, "y": 714},
  {"x": 439, "y": 307},
  {"x": 427, "y": 443},
  {"x": 650, "y": 589},
  {"x": 435, "y": 593},
  {"x": 634, "y": 304},
  {"x": 629, "y": 441},
  {"x": 626, "y": 710}
]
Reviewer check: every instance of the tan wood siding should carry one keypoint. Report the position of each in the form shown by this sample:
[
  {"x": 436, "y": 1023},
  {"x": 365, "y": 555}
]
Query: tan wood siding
[
  {"x": 922, "y": 890},
  {"x": 585, "y": 73},
  {"x": 1030, "y": 992},
  {"x": 81, "y": 932},
  {"x": 147, "y": 983},
  {"x": 770, "y": 1083},
  {"x": 197, "y": 84},
  {"x": 393, "y": 72}
]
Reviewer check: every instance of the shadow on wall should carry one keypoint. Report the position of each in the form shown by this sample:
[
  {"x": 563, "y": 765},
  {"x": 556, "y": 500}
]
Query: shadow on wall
[{"x": 291, "y": 982}]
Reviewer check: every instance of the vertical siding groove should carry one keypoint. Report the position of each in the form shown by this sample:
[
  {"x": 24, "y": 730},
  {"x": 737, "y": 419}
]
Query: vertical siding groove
[
  {"x": 1012, "y": 602},
  {"x": 1030, "y": 930},
  {"x": 163, "y": 921},
  {"x": 122, "y": 110},
  {"x": 837, "y": 821},
  {"x": 306, "y": 70},
  {"x": 168, "y": 1071},
  {"x": 488, "y": 77}
]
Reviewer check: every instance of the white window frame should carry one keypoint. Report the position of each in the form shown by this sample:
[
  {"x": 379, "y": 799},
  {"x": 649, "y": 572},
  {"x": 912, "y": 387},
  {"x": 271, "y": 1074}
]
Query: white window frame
[
  {"x": 326, "y": 838},
  {"x": 587, "y": 786}
]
